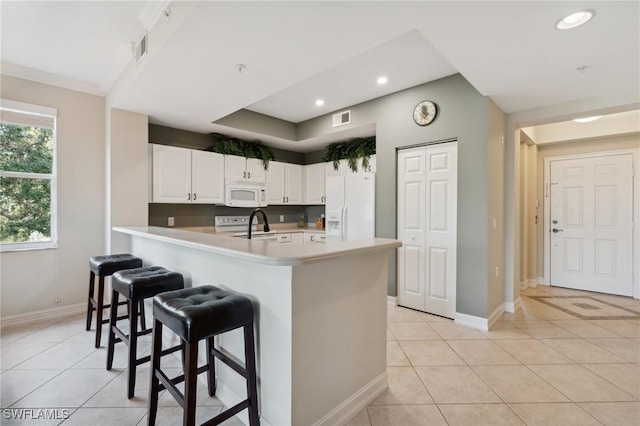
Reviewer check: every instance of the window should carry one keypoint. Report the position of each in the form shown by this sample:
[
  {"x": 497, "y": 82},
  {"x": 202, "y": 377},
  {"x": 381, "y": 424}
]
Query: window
[{"x": 27, "y": 176}]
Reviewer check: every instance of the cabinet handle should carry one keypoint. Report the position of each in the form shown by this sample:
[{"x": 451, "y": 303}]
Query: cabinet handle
[
  {"x": 188, "y": 196},
  {"x": 283, "y": 199},
  {"x": 244, "y": 174},
  {"x": 194, "y": 196},
  {"x": 312, "y": 238},
  {"x": 248, "y": 175},
  {"x": 287, "y": 199}
]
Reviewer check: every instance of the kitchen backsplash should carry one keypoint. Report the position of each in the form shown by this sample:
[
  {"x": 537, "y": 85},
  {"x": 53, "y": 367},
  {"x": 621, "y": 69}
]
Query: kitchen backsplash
[{"x": 186, "y": 215}]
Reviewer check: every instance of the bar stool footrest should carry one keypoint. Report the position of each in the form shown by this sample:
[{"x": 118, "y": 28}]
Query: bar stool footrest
[{"x": 227, "y": 414}]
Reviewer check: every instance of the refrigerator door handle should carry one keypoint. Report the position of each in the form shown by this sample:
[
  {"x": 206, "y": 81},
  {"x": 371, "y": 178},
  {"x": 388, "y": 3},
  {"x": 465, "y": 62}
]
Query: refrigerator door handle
[{"x": 343, "y": 219}]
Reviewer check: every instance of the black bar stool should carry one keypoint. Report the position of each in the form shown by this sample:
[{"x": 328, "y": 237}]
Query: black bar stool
[
  {"x": 103, "y": 266},
  {"x": 195, "y": 314},
  {"x": 136, "y": 285}
]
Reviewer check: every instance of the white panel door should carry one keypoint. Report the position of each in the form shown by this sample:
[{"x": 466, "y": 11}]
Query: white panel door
[
  {"x": 207, "y": 177},
  {"x": 235, "y": 168},
  {"x": 275, "y": 183},
  {"x": 171, "y": 174},
  {"x": 427, "y": 212},
  {"x": 314, "y": 183},
  {"x": 293, "y": 184},
  {"x": 411, "y": 227},
  {"x": 441, "y": 209},
  {"x": 256, "y": 171},
  {"x": 591, "y": 224}
]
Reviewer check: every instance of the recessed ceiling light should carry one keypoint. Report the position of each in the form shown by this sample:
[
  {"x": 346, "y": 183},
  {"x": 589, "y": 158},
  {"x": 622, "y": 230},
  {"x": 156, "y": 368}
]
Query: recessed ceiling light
[
  {"x": 382, "y": 80},
  {"x": 319, "y": 102},
  {"x": 575, "y": 19},
  {"x": 587, "y": 119}
]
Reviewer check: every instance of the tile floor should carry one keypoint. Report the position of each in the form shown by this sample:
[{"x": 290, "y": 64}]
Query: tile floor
[{"x": 543, "y": 365}]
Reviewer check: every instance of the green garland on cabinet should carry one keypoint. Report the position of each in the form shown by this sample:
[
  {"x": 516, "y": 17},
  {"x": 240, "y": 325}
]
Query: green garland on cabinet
[
  {"x": 228, "y": 145},
  {"x": 351, "y": 150}
]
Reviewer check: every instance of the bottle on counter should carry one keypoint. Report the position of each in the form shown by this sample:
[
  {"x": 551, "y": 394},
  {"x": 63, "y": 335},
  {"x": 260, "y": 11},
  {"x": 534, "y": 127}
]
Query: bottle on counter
[{"x": 302, "y": 220}]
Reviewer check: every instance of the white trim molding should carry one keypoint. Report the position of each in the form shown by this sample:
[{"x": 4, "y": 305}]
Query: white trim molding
[
  {"x": 512, "y": 307},
  {"x": 480, "y": 323},
  {"x": 392, "y": 300},
  {"x": 356, "y": 402},
  {"x": 44, "y": 315}
]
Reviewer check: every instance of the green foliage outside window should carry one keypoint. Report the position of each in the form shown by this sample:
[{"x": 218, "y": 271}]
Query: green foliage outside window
[{"x": 25, "y": 201}]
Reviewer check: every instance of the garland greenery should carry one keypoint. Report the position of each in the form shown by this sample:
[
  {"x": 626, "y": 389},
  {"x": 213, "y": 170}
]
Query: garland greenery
[
  {"x": 223, "y": 144},
  {"x": 351, "y": 150}
]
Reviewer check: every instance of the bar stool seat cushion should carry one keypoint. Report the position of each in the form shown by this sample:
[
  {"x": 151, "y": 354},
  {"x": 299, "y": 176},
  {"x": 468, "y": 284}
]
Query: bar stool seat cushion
[
  {"x": 199, "y": 312},
  {"x": 141, "y": 283},
  {"x": 109, "y": 264}
]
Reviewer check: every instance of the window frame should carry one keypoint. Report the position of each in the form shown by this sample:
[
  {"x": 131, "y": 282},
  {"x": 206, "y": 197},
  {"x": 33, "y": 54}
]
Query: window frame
[{"x": 26, "y": 108}]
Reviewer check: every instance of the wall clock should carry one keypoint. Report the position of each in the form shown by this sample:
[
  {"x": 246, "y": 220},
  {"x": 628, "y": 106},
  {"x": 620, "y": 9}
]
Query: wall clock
[{"x": 424, "y": 113}]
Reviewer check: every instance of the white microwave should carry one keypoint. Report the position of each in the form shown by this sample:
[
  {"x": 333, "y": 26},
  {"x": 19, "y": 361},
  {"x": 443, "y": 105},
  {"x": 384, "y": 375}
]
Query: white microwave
[{"x": 245, "y": 194}]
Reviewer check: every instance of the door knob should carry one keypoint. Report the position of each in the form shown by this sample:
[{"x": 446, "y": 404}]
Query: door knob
[{"x": 556, "y": 230}]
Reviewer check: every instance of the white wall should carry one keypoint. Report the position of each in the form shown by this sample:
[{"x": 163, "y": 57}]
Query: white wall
[
  {"x": 495, "y": 207},
  {"x": 127, "y": 175},
  {"x": 33, "y": 280}
]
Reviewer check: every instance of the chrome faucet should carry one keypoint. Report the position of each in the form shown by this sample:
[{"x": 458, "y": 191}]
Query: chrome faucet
[{"x": 265, "y": 223}]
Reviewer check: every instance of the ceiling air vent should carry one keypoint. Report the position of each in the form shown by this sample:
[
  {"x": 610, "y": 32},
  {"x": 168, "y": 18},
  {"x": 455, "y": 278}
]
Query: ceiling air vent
[
  {"x": 140, "y": 49},
  {"x": 341, "y": 118}
]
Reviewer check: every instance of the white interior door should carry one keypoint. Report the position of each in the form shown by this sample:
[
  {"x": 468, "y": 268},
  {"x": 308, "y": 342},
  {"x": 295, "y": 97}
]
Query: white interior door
[
  {"x": 427, "y": 212},
  {"x": 591, "y": 228}
]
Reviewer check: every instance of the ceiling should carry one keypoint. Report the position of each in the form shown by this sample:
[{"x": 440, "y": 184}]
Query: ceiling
[{"x": 297, "y": 52}]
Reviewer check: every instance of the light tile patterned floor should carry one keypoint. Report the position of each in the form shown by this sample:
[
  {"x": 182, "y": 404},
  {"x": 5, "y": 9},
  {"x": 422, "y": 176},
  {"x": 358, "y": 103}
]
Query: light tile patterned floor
[{"x": 542, "y": 365}]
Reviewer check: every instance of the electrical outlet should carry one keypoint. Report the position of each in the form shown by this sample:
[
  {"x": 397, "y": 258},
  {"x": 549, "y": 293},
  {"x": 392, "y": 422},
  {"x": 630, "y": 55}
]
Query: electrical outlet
[
  {"x": 171, "y": 221},
  {"x": 497, "y": 271},
  {"x": 58, "y": 300},
  {"x": 281, "y": 218}
]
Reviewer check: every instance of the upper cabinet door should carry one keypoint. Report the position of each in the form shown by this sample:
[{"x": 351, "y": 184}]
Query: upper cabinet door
[
  {"x": 256, "y": 171},
  {"x": 171, "y": 174},
  {"x": 293, "y": 184},
  {"x": 235, "y": 167},
  {"x": 314, "y": 184},
  {"x": 275, "y": 183},
  {"x": 207, "y": 177}
]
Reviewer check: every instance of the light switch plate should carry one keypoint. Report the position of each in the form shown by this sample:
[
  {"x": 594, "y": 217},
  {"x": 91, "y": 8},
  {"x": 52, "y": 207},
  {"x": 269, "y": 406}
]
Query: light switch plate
[{"x": 171, "y": 221}]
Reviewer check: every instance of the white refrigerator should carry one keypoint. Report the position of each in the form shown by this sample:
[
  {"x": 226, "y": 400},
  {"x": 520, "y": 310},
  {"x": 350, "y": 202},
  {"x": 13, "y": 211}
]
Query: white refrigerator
[{"x": 350, "y": 206}]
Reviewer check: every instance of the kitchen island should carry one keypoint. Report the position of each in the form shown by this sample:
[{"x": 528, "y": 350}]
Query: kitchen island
[{"x": 320, "y": 316}]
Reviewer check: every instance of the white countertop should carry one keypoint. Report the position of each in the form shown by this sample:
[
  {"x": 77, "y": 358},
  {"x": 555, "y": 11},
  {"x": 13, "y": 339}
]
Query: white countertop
[{"x": 256, "y": 250}]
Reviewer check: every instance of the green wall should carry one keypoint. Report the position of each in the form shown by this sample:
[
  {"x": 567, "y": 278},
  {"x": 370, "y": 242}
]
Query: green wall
[{"x": 463, "y": 114}]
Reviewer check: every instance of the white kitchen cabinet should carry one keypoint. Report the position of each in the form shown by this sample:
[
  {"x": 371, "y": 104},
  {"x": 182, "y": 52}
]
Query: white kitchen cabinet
[
  {"x": 284, "y": 183},
  {"x": 183, "y": 175},
  {"x": 314, "y": 237},
  {"x": 244, "y": 169},
  {"x": 284, "y": 237},
  {"x": 297, "y": 238},
  {"x": 314, "y": 184}
]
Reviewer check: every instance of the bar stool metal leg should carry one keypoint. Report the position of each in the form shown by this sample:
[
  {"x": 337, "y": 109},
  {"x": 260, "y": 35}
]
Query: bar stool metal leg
[
  {"x": 92, "y": 277},
  {"x": 99, "y": 310},
  {"x": 154, "y": 387},
  {"x": 250, "y": 369},
  {"x": 133, "y": 346},
  {"x": 190, "y": 382},
  {"x": 113, "y": 317}
]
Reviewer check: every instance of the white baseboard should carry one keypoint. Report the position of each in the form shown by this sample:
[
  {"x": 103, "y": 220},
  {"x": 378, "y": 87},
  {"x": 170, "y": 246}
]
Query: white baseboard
[
  {"x": 512, "y": 307},
  {"x": 356, "y": 402},
  {"x": 523, "y": 285},
  {"x": 392, "y": 300},
  {"x": 541, "y": 281},
  {"x": 339, "y": 415},
  {"x": 495, "y": 315},
  {"x": 472, "y": 321},
  {"x": 44, "y": 315}
]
